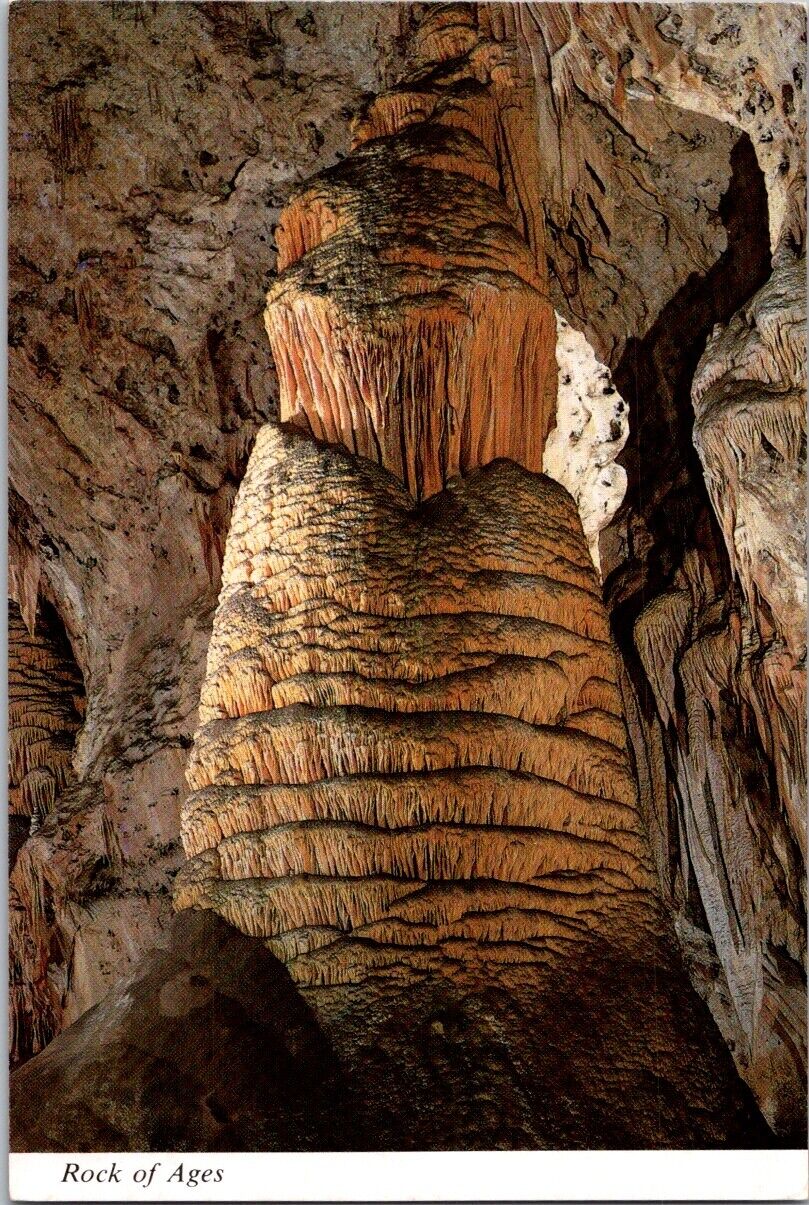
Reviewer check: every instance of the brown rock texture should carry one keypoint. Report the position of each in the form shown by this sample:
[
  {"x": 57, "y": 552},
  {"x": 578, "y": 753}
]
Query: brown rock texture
[
  {"x": 152, "y": 148},
  {"x": 219, "y": 1052},
  {"x": 414, "y": 676},
  {"x": 713, "y": 688},
  {"x": 406, "y": 279},
  {"x": 412, "y": 739},
  {"x": 45, "y": 706},
  {"x": 215, "y": 1047},
  {"x": 46, "y": 701},
  {"x": 749, "y": 397}
]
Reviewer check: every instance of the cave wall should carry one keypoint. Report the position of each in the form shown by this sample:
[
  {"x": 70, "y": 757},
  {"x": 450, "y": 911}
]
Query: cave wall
[
  {"x": 653, "y": 157},
  {"x": 706, "y": 588},
  {"x": 152, "y": 146}
]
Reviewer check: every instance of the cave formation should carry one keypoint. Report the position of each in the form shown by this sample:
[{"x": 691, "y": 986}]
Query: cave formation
[{"x": 491, "y": 830}]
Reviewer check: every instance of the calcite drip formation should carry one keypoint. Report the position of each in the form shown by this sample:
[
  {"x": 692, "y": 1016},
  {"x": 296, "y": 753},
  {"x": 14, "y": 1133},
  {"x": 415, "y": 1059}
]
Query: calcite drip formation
[
  {"x": 412, "y": 742},
  {"x": 411, "y": 779},
  {"x": 408, "y": 282},
  {"x": 412, "y": 745},
  {"x": 45, "y": 708},
  {"x": 749, "y": 395}
]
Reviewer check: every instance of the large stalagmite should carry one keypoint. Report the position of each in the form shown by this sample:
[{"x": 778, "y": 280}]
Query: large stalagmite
[
  {"x": 412, "y": 744},
  {"x": 411, "y": 773},
  {"x": 412, "y": 782}
]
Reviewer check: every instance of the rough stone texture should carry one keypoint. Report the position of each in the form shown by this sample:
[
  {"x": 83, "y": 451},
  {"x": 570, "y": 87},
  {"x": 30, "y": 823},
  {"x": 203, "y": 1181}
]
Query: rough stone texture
[
  {"x": 406, "y": 281},
  {"x": 730, "y": 861},
  {"x": 630, "y": 196},
  {"x": 712, "y": 698},
  {"x": 216, "y": 1049},
  {"x": 152, "y": 146},
  {"x": 592, "y": 426},
  {"x": 334, "y": 811},
  {"x": 416, "y": 711},
  {"x": 749, "y": 395},
  {"x": 220, "y": 1052},
  {"x": 739, "y": 64},
  {"x": 411, "y": 777},
  {"x": 45, "y": 706}
]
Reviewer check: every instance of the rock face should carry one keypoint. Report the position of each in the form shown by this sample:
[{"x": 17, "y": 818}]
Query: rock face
[
  {"x": 416, "y": 711},
  {"x": 630, "y": 166},
  {"x": 412, "y": 764},
  {"x": 206, "y": 1032},
  {"x": 740, "y": 66},
  {"x": 405, "y": 795},
  {"x": 592, "y": 426},
  {"x": 45, "y": 706},
  {"x": 712, "y": 688},
  {"x": 153, "y": 147},
  {"x": 46, "y": 701},
  {"x": 219, "y": 1052},
  {"x": 749, "y": 397}
]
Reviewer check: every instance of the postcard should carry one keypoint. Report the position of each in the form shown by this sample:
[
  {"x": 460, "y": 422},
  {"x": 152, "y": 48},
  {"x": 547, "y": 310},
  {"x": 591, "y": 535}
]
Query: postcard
[{"x": 407, "y": 601}]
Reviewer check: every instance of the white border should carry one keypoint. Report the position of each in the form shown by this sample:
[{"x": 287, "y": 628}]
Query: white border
[{"x": 423, "y": 1176}]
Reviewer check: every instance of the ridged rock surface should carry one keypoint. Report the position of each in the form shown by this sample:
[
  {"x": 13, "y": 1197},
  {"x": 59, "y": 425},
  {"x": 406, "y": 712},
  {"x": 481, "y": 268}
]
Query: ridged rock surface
[
  {"x": 412, "y": 737},
  {"x": 45, "y": 706},
  {"x": 740, "y": 65},
  {"x": 153, "y": 147},
  {"x": 715, "y": 683},
  {"x": 648, "y": 156},
  {"x": 406, "y": 282},
  {"x": 412, "y": 781},
  {"x": 749, "y": 397}
]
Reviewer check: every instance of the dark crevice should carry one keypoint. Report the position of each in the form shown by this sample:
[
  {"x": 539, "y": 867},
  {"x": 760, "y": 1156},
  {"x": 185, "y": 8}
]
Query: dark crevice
[{"x": 666, "y": 501}]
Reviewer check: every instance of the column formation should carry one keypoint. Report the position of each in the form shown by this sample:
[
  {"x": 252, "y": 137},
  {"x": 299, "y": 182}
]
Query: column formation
[{"x": 412, "y": 750}]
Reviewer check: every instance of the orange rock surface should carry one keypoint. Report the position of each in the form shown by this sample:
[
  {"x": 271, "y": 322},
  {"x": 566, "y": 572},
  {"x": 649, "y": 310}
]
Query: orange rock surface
[
  {"x": 412, "y": 744},
  {"x": 410, "y": 322}
]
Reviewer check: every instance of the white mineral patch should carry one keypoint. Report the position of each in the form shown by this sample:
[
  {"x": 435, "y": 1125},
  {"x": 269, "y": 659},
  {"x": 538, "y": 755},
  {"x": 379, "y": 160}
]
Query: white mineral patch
[{"x": 592, "y": 425}]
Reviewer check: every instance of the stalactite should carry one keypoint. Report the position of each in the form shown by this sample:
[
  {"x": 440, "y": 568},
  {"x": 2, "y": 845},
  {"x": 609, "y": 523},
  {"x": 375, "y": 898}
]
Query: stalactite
[
  {"x": 46, "y": 703},
  {"x": 46, "y": 699}
]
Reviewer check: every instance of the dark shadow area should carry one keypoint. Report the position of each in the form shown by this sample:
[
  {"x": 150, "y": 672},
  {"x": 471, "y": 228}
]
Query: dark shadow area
[
  {"x": 46, "y": 710},
  {"x": 210, "y": 1046},
  {"x": 46, "y": 704},
  {"x": 666, "y": 495}
]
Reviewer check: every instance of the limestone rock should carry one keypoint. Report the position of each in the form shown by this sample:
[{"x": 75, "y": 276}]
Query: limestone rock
[
  {"x": 215, "y": 1048},
  {"x": 46, "y": 701},
  {"x": 411, "y": 727},
  {"x": 592, "y": 425},
  {"x": 749, "y": 397},
  {"x": 647, "y": 303},
  {"x": 411, "y": 780},
  {"x": 730, "y": 861},
  {"x": 630, "y": 165},
  {"x": 153, "y": 147},
  {"x": 45, "y": 706},
  {"x": 739, "y": 65},
  {"x": 219, "y": 1052},
  {"x": 407, "y": 282}
]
